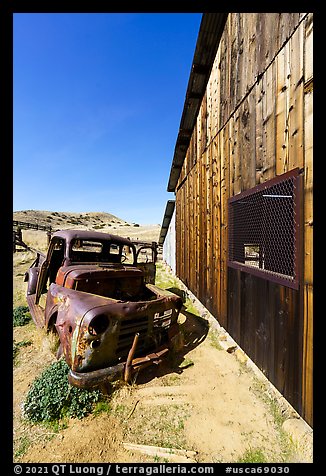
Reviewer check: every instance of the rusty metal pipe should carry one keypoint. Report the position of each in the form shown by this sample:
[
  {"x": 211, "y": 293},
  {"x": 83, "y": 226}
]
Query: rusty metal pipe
[{"x": 130, "y": 357}]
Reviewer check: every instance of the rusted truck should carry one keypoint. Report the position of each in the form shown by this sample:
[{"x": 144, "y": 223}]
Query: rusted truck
[{"x": 100, "y": 297}]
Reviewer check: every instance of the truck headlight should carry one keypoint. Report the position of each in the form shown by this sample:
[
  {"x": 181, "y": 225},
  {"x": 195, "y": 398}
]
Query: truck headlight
[{"x": 98, "y": 324}]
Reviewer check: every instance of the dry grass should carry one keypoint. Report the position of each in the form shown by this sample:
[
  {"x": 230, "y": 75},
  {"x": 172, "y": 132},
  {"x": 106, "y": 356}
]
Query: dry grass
[
  {"x": 21, "y": 262},
  {"x": 36, "y": 239}
]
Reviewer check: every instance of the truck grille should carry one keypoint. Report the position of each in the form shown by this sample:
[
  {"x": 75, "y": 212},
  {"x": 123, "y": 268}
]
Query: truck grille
[{"x": 128, "y": 329}]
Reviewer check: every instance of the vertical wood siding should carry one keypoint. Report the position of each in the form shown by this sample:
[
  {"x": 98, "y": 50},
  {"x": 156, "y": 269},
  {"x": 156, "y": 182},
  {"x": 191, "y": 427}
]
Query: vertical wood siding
[{"x": 255, "y": 122}]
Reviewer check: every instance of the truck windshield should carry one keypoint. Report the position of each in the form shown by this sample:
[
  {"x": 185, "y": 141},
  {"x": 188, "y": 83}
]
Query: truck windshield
[{"x": 100, "y": 252}]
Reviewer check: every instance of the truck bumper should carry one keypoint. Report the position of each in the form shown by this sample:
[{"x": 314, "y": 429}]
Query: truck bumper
[
  {"x": 100, "y": 377},
  {"x": 96, "y": 377}
]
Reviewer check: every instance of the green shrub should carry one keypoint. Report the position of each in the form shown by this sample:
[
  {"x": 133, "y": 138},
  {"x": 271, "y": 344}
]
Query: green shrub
[
  {"x": 51, "y": 397},
  {"x": 21, "y": 316}
]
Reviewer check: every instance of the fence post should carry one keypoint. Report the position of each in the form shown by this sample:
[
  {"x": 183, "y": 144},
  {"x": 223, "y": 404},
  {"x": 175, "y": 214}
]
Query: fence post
[{"x": 154, "y": 251}]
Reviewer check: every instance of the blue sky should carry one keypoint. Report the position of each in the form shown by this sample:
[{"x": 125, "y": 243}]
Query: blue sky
[{"x": 98, "y": 100}]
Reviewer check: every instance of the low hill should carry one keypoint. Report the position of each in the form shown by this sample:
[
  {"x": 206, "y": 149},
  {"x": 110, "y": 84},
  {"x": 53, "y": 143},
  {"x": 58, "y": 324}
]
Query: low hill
[
  {"x": 100, "y": 221},
  {"x": 69, "y": 219}
]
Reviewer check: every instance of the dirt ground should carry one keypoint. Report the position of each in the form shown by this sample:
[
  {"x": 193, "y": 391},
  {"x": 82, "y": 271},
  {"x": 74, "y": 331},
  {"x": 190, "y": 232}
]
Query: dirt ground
[{"x": 204, "y": 402}]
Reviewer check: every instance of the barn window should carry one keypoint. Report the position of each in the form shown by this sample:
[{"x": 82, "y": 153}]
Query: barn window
[{"x": 264, "y": 230}]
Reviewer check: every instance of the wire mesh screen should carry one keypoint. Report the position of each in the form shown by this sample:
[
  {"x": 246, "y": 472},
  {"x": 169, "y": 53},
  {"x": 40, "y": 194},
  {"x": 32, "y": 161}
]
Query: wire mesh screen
[{"x": 264, "y": 230}]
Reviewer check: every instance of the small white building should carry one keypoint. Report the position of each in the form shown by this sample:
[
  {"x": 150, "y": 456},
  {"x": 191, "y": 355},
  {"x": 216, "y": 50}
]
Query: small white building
[{"x": 167, "y": 236}]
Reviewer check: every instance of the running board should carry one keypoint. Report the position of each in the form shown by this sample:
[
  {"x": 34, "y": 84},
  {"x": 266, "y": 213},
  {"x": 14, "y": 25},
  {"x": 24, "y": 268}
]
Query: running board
[{"x": 36, "y": 310}]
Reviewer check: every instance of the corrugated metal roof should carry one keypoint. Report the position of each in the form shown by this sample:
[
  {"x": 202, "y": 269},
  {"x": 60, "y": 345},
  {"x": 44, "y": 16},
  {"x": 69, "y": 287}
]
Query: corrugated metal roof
[
  {"x": 169, "y": 209},
  {"x": 210, "y": 32}
]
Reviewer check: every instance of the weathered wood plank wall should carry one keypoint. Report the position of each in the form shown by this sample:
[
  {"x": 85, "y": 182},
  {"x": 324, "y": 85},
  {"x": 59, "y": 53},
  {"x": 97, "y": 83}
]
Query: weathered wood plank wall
[
  {"x": 255, "y": 122},
  {"x": 307, "y": 380}
]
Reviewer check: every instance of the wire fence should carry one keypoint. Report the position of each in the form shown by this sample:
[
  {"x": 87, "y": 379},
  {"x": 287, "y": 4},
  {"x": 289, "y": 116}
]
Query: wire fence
[{"x": 264, "y": 230}]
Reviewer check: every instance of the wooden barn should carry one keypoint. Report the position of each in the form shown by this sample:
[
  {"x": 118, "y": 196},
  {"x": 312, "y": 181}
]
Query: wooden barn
[{"x": 242, "y": 175}]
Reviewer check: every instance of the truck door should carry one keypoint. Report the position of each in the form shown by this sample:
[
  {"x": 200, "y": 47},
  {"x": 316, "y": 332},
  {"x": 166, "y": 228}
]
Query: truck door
[
  {"x": 41, "y": 281},
  {"x": 145, "y": 260},
  {"x": 44, "y": 272}
]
